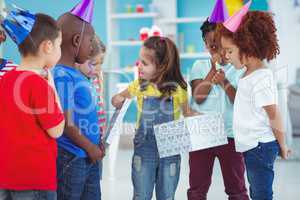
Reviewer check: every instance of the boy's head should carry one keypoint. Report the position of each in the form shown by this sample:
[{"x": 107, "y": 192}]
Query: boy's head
[
  {"x": 92, "y": 67},
  {"x": 43, "y": 41},
  {"x": 77, "y": 38},
  {"x": 255, "y": 38},
  {"x": 211, "y": 43}
]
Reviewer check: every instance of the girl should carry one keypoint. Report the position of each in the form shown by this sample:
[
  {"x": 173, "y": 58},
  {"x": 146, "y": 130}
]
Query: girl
[
  {"x": 161, "y": 93},
  {"x": 214, "y": 91},
  {"x": 257, "y": 124},
  {"x": 92, "y": 70}
]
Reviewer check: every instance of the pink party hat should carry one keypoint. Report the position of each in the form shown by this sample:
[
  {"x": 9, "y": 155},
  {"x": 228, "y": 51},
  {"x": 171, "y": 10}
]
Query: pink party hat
[
  {"x": 84, "y": 10},
  {"x": 233, "y": 23},
  {"x": 220, "y": 12}
]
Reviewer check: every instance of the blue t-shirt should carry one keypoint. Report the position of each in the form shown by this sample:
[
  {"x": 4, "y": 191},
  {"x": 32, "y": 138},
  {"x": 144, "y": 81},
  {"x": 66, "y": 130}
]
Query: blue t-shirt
[
  {"x": 76, "y": 95},
  {"x": 217, "y": 100}
]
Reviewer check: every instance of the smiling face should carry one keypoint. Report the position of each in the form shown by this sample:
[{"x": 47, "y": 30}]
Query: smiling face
[
  {"x": 147, "y": 68},
  {"x": 232, "y": 53}
]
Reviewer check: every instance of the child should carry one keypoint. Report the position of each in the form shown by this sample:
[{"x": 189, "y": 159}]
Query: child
[
  {"x": 161, "y": 93},
  {"x": 29, "y": 111},
  {"x": 256, "y": 121},
  {"x": 92, "y": 69},
  {"x": 79, "y": 149},
  {"x": 214, "y": 90},
  {"x": 5, "y": 65}
]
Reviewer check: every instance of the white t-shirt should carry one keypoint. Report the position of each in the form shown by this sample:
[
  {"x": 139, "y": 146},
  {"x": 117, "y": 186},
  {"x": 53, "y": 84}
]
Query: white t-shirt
[{"x": 250, "y": 121}]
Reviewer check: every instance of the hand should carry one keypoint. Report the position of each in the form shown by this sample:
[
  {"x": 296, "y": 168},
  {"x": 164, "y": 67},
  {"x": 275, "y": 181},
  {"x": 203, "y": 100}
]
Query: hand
[
  {"x": 219, "y": 77},
  {"x": 95, "y": 153},
  {"x": 102, "y": 147},
  {"x": 118, "y": 100},
  {"x": 285, "y": 152}
]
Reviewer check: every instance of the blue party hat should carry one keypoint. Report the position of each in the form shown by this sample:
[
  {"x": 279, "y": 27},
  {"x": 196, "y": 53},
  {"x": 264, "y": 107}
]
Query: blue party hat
[{"x": 18, "y": 24}]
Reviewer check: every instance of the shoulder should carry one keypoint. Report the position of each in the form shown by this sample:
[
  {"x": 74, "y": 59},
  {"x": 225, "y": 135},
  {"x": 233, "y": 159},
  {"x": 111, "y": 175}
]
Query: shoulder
[
  {"x": 180, "y": 93},
  {"x": 202, "y": 64}
]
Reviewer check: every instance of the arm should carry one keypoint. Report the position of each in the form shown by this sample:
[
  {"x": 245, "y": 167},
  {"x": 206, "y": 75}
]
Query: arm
[
  {"x": 201, "y": 88},
  {"x": 229, "y": 89},
  {"x": 188, "y": 111},
  {"x": 56, "y": 131},
  {"x": 277, "y": 127},
  {"x": 74, "y": 134},
  {"x": 118, "y": 100}
]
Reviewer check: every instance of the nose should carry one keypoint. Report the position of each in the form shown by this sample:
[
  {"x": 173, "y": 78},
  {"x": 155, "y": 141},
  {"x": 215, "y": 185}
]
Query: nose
[{"x": 226, "y": 55}]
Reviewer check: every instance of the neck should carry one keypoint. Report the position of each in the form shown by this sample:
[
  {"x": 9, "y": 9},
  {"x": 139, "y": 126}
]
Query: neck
[
  {"x": 31, "y": 63},
  {"x": 253, "y": 65},
  {"x": 67, "y": 58}
]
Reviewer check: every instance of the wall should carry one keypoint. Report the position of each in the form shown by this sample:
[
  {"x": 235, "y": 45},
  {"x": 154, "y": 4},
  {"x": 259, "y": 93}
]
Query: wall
[{"x": 55, "y": 8}]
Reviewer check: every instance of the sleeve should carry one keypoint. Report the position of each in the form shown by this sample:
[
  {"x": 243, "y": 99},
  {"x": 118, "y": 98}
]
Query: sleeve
[
  {"x": 198, "y": 71},
  {"x": 265, "y": 92},
  {"x": 45, "y": 107},
  {"x": 235, "y": 77},
  {"x": 182, "y": 95},
  {"x": 65, "y": 89},
  {"x": 134, "y": 88}
]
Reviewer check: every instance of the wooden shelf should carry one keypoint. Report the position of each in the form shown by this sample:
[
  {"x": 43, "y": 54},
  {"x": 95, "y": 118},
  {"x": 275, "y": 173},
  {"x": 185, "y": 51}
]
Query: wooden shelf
[
  {"x": 127, "y": 43},
  {"x": 184, "y": 20},
  {"x": 194, "y": 55},
  {"x": 134, "y": 15}
]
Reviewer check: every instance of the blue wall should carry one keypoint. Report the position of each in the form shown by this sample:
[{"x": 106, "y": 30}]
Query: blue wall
[
  {"x": 55, "y": 8},
  {"x": 185, "y": 9}
]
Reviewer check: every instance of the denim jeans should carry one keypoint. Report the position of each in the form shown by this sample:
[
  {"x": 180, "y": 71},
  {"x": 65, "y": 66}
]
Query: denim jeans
[
  {"x": 260, "y": 169},
  {"x": 232, "y": 167},
  {"x": 27, "y": 195},
  {"x": 78, "y": 178},
  {"x": 148, "y": 170}
]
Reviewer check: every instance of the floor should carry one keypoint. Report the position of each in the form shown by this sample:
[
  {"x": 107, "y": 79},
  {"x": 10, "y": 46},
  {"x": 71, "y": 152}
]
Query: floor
[{"x": 286, "y": 186}]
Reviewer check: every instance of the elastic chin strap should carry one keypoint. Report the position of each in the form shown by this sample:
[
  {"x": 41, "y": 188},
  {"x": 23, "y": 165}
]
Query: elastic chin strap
[{"x": 80, "y": 40}]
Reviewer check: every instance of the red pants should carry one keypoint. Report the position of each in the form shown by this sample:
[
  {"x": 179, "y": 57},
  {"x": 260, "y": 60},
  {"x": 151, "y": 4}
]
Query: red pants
[{"x": 233, "y": 170}]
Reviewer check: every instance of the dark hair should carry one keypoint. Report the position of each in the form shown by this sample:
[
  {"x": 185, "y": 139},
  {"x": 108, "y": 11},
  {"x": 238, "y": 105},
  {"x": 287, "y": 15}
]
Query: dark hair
[
  {"x": 98, "y": 46},
  {"x": 207, "y": 27},
  {"x": 256, "y": 36},
  {"x": 45, "y": 28},
  {"x": 166, "y": 58}
]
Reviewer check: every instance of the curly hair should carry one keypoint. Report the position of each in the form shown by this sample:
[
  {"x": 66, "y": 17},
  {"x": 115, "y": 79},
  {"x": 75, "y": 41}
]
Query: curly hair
[
  {"x": 256, "y": 36},
  {"x": 166, "y": 58},
  {"x": 207, "y": 27}
]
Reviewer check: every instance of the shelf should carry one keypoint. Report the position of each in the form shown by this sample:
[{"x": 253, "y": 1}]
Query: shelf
[
  {"x": 134, "y": 15},
  {"x": 126, "y": 43},
  {"x": 184, "y": 20},
  {"x": 194, "y": 55},
  {"x": 119, "y": 70}
]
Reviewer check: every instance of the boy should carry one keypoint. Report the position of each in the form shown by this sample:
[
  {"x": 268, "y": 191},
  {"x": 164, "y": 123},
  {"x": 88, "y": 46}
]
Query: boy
[
  {"x": 214, "y": 91},
  {"x": 79, "y": 149},
  {"x": 30, "y": 116}
]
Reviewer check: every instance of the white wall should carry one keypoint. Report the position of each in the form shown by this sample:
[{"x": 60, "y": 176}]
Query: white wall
[{"x": 287, "y": 18}]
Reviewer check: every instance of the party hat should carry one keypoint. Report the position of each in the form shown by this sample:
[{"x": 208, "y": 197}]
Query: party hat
[
  {"x": 84, "y": 10},
  {"x": 220, "y": 12},
  {"x": 18, "y": 24},
  {"x": 233, "y": 23}
]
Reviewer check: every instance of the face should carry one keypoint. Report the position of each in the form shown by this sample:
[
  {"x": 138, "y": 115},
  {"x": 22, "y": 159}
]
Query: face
[
  {"x": 215, "y": 50},
  {"x": 146, "y": 67},
  {"x": 91, "y": 68},
  {"x": 53, "y": 51},
  {"x": 85, "y": 48},
  {"x": 232, "y": 52}
]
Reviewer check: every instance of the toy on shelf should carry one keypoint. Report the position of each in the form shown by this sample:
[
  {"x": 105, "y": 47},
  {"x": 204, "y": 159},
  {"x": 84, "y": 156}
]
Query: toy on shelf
[{"x": 139, "y": 8}]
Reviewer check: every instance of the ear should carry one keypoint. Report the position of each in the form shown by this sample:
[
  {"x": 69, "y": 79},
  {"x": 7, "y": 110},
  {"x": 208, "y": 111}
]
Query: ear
[
  {"x": 47, "y": 46},
  {"x": 76, "y": 40}
]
